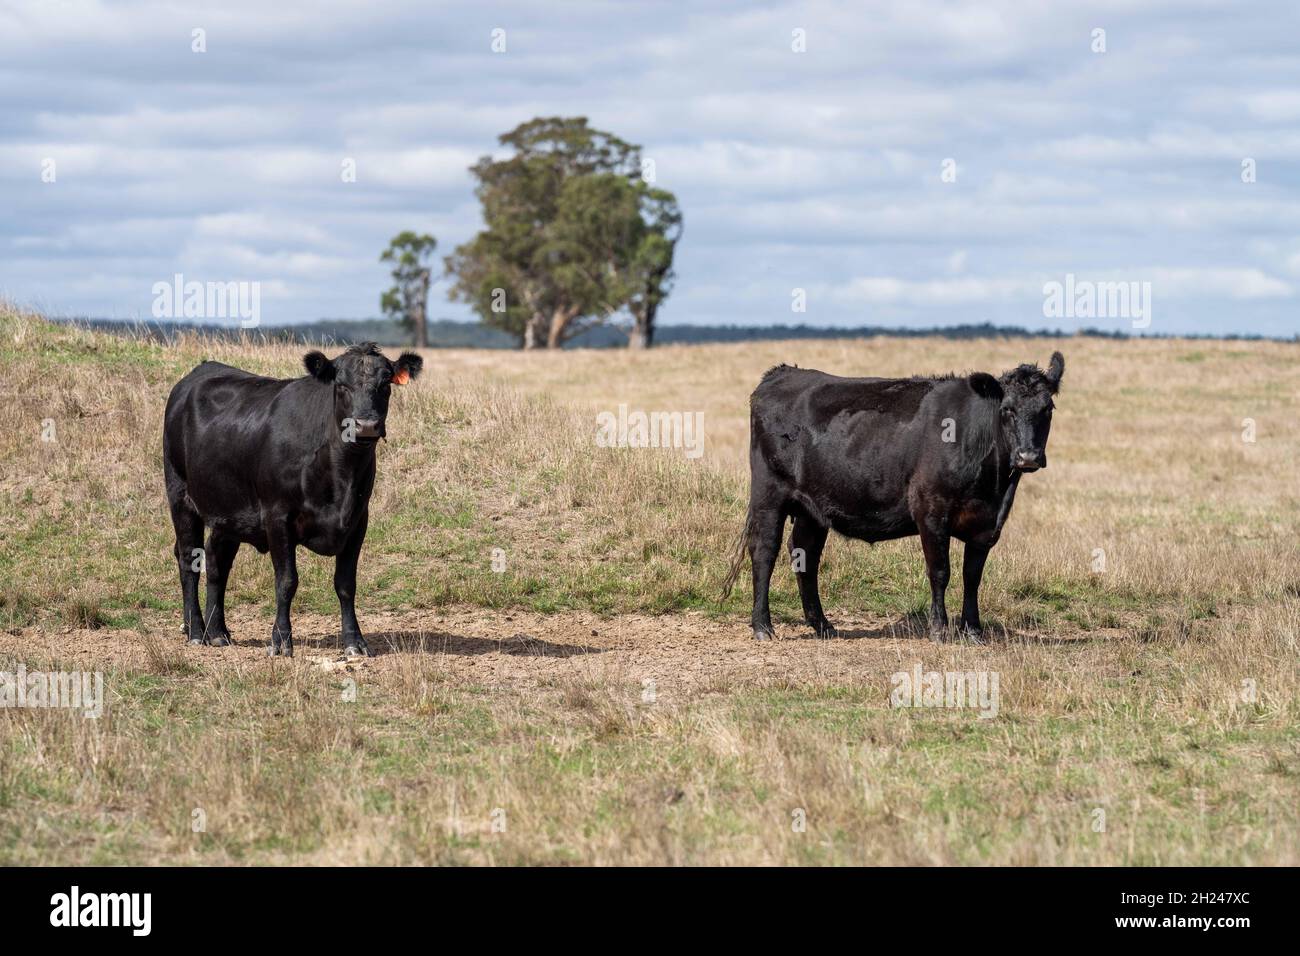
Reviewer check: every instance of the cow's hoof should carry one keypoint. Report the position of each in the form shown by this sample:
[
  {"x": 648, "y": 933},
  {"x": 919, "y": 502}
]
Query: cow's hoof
[
  {"x": 281, "y": 643},
  {"x": 939, "y": 633},
  {"x": 195, "y": 642},
  {"x": 354, "y": 645},
  {"x": 220, "y": 640},
  {"x": 826, "y": 630},
  {"x": 971, "y": 635},
  {"x": 762, "y": 635}
]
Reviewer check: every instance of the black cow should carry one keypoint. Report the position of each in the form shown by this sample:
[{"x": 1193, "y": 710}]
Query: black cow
[
  {"x": 276, "y": 463},
  {"x": 884, "y": 458}
]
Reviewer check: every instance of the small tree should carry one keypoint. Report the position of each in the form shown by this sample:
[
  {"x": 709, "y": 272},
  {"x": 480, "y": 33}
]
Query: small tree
[
  {"x": 407, "y": 301},
  {"x": 650, "y": 270}
]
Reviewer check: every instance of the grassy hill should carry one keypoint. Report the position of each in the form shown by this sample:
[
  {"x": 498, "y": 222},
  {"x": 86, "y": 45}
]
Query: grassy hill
[{"x": 1160, "y": 687}]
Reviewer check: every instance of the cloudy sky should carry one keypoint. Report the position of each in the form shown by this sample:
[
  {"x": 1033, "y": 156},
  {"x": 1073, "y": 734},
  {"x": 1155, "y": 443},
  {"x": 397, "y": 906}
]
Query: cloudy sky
[{"x": 821, "y": 170}]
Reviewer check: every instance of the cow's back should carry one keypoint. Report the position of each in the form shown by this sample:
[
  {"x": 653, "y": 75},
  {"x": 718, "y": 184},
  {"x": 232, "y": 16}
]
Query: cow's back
[
  {"x": 804, "y": 414},
  {"x": 845, "y": 449},
  {"x": 235, "y": 442},
  {"x": 217, "y": 416}
]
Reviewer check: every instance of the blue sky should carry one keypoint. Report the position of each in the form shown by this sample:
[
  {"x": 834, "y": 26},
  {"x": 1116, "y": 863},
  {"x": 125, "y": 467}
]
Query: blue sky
[{"x": 819, "y": 170}]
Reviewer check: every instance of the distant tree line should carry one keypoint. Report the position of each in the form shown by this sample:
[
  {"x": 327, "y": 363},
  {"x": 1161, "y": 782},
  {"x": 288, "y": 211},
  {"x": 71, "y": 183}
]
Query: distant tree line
[
  {"x": 577, "y": 236},
  {"x": 448, "y": 333}
]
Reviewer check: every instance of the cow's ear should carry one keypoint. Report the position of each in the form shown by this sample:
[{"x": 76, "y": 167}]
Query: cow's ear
[
  {"x": 1055, "y": 369},
  {"x": 985, "y": 385},
  {"x": 407, "y": 367},
  {"x": 318, "y": 366}
]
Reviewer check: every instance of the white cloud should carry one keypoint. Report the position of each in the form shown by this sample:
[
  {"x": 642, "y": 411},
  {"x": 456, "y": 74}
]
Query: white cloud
[
  {"x": 878, "y": 290},
  {"x": 1274, "y": 106},
  {"x": 1229, "y": 283}
]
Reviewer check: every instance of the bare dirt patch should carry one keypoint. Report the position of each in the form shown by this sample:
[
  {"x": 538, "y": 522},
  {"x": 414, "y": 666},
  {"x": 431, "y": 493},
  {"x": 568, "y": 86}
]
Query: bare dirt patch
[{"x": 521, "y": 649}]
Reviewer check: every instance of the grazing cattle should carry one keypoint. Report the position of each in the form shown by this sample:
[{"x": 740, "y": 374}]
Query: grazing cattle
[
  {"x": 884, "y": 458},
  {"x": 276, "y": 463}
]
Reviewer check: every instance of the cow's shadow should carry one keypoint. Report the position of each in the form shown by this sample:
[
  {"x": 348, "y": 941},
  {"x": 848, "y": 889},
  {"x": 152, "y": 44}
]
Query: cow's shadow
[
  {"x": 440, "y": 642},
  {"x": 908, "y": 626},
  {"x": 464, "y": 645},
  {"x": 917, "y": 627}
]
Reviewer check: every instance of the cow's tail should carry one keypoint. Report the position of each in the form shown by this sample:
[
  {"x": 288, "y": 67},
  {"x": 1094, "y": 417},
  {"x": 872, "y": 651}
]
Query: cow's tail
[{"x": 738, "y": 555}]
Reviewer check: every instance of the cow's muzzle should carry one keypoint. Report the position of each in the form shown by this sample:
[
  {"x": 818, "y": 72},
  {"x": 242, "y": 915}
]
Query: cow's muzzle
[
  {"x": 368, "y": 429},
  {"x": 1029, "y": 461}
]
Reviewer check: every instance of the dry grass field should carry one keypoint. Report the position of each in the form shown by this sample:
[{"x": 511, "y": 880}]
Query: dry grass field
[{"x": 595, "y": 702}]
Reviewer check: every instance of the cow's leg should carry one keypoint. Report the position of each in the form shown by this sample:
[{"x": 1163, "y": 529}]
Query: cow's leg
[
  {"x": 764, "y": 545},
  {"x": 345, "y": 586},
  {"x": 934, "y": 542},
  {"x": 189, "y": 559},
  {"x": 972, "y": 572},
  {"x": 284, "y": 558},
  {"x": 220, "y": 557},
  {"x": 806, "y": 543}
]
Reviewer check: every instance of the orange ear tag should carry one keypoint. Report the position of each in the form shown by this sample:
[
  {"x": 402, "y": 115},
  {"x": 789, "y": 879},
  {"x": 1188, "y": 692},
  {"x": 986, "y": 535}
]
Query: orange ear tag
[{"x": 401, "y": 377}]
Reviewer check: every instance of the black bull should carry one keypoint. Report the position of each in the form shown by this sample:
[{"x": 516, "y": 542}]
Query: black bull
[
  {"x": 885, "y": 458},
  {"x": 276, "y": 463}
]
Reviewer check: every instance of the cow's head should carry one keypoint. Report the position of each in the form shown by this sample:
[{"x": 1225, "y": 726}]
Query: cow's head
[
  {"x": 1024, "y": 397},
  {"x": 362, "y": 379}
]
